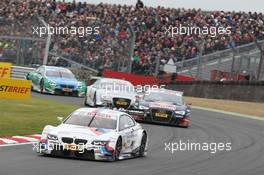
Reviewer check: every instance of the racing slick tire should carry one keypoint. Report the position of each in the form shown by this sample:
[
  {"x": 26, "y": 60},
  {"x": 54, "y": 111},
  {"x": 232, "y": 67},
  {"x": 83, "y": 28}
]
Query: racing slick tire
[
  {"x": 85, "y": 102},
  {"x": 94, "y": 100},
  {"x": 118, "y": 149},
  {"x": 75, "y": 94},
  {"x": 143, "y": 145},
  {"x": 41, "y": 85}
]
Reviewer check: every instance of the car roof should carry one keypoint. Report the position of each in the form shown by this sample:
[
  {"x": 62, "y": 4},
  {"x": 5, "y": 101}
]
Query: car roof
[
  {"x": 115, "y": 80},
  {"x": 168, "y": 91},
  {"x": 56, "y": 68}
]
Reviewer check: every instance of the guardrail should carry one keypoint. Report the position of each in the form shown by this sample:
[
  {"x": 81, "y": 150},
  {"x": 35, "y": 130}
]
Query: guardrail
[
  {"x": 19, "y": 72},
  {"x": 252, "y": 91}
]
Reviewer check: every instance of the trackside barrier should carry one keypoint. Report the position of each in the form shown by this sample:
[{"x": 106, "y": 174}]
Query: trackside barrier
[
  {"x": 230, "y": 90},
  {"x": 14, "y": 87},
  {"x": 19, "y": 72},
  {"x": 217, "y": 75},
  {"x": 146, "y": 80},
  {"x": 134, "y": 79},
  {"x": 169, "y": 78}
]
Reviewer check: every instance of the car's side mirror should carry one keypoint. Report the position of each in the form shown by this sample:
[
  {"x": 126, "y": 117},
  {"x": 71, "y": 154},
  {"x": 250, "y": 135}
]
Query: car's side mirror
[
  {"x": 60, "y": 119},
  {"x": 126, "y": 126}
]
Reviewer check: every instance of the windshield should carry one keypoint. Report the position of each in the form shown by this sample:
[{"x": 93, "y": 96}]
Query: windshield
[
  {"x": 88, "y": 119},
  {"x": 60, "y": 74},
  {"x": 66, "y": 74},
  {"x": 101, "y": 122},
  {"x": 171, "y": 98},
  {"x": 52, "y": 73},
  {"x": 117, "y": 87}
]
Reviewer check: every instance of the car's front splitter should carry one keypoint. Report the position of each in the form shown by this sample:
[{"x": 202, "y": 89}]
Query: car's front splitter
[{"x": 90, "y": 152}]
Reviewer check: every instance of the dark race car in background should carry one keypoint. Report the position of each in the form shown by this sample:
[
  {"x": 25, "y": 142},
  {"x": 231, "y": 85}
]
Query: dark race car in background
[
  {"x": 56, "y": 80},
  {"x": 163, "y": 107}
]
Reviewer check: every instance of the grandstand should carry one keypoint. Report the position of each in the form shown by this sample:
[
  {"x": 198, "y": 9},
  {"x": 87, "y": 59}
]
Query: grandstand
[
  {"x": 131, "y": 39},
  {"x": 243, "y": 59}
]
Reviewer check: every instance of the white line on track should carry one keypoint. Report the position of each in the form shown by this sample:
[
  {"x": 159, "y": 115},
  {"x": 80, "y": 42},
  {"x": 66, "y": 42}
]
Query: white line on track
[
  {"x": 8, "y": 141},
  {"x": 30, "y": 139},
  {"x": 17, "y": 144},
  {"x": 230, "y": 113}
]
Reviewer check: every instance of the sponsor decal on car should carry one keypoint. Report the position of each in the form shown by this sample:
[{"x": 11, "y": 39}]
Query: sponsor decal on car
[
  {"x": 121, "y": 102},
  {"x": 99, "y": 131},
  {"x": 162, "y": 105},
  {"x": 73, "y": 147},
  {"x": 66, "y": 90},
  {"x": 161, "y": 114}
]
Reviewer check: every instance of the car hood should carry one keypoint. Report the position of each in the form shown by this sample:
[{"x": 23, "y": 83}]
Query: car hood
[
  {"x": 82, "y": 132},
  {"x": 67, "y": 81},
  {"x": 163, "y": 105}
]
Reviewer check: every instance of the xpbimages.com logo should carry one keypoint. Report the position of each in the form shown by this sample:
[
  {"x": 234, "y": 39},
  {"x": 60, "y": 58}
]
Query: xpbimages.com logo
[
  {"x": 188, "y": 145},
  {"x": 72, "y": 30},
  {"x": 172, "y": 31}
]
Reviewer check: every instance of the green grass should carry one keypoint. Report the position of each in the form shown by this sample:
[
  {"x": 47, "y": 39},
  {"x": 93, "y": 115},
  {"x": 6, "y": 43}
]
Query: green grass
[{"x": 29, "y": 117}]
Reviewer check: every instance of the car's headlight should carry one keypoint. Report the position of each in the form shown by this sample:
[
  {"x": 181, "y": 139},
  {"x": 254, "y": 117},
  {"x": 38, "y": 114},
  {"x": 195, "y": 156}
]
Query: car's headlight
[
  {"x": 180, "y": 112},
  {"x": 103, "y": 97},
  {"x": 143, "y": 107},
  {"x": 79, "y": 85},
  {"x": 100, "y": 143},
  {"x": 52, "y": 137},
  {"x": 52, "y": 83}
]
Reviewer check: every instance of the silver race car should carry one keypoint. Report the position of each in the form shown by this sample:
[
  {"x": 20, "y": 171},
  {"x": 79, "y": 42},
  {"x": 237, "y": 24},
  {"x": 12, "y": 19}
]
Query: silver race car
[
  {"x": 96, "y": 134},
  {"x": 108, "y": 91}
]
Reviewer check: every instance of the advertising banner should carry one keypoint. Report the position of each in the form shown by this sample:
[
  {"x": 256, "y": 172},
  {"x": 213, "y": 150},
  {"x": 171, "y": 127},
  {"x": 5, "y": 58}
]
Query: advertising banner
[
  {"x": 15, "y": 89},
  {"x": 5, "y": 70}
]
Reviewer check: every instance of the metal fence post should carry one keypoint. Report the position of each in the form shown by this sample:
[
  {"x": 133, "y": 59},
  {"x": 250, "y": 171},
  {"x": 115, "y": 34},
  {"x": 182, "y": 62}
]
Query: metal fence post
[
  {"x": 200, "y": 46},
  {"x": 233, "y": 62},
  {"x": 132, "y": 47},
  {"x": 18, "y": 52},
  {"x": 157, "y": 61},
  {"x": 261, "y": 59},
  {"x": 260, "y": 65},
  {"x": 46, "y": 53}
]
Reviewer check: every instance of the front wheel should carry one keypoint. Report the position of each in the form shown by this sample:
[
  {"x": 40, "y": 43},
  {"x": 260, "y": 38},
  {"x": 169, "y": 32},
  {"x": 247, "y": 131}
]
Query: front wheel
[
  {"x": 94, "y": 100},
  {"x": 118, "y": 149},
  {"x": 41, "y": 85},
  {"x": 85, "y": 101},
  {"x": 143, "y": 145}
]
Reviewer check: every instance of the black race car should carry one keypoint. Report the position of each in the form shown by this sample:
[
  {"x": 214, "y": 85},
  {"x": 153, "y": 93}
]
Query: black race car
[{"x": 162, "y": 106}]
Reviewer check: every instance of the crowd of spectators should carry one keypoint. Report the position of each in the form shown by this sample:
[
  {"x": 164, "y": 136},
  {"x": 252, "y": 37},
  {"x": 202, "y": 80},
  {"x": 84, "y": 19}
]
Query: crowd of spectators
[{"x": 111, "y": 47}]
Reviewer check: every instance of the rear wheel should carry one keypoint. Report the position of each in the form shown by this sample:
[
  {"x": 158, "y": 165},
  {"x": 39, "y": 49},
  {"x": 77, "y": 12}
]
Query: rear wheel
[{"x": 143, "y": 145}]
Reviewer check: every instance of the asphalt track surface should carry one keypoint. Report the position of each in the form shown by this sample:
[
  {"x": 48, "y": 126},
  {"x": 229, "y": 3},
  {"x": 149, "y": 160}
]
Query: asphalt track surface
[{"x": 246, "y": 156}]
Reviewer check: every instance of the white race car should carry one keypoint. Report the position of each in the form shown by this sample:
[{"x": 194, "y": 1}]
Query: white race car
[
  {"x": 96, "y": 134},
  {"x": 108, "y": 91}
]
